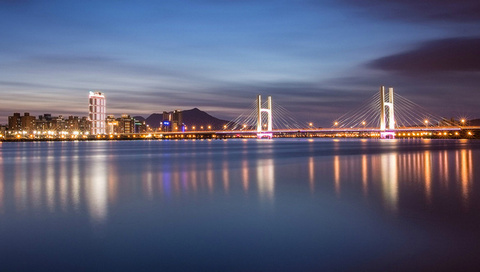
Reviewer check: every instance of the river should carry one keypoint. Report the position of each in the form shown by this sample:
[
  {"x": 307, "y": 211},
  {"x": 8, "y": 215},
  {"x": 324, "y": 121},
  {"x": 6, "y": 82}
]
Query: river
[{"x": 240, "y": 205}]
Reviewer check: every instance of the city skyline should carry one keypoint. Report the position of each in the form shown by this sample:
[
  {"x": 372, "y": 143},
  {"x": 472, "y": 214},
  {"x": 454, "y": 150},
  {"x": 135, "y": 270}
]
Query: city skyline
[{"x": 317, "y": 58}]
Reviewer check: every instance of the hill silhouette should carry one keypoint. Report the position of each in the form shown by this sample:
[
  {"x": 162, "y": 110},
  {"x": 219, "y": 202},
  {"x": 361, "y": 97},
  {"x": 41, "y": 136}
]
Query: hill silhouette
[{"x": 190, "y": 118}]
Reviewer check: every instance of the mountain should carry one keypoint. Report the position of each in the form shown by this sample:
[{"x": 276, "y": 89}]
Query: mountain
[
  {"x": 139, "y": 118},
  {"x": 190, "y": 118},
  {"x": 196, "y": 117},
  {"x": 154, "y": 120}
]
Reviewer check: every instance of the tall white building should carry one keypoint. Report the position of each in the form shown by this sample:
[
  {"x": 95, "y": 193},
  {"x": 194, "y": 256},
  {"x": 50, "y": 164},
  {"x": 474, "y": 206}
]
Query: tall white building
[{"x": 97, "y": 112}]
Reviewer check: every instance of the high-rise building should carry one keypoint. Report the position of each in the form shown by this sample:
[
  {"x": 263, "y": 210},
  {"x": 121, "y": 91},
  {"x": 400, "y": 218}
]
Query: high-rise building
[
  {"x": 112, "y": 124},
  {"x": 97, "y": 112},
  {"x": 172, "y": 121},
  {"x": 126, "y": 124},
  {"x": 24, "y": 123},
  {"x": 15, "y": 122}
]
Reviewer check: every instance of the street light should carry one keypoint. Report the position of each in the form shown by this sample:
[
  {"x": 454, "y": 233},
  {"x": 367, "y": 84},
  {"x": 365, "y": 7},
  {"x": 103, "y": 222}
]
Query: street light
[
  {"x": 426, "y": 123},
  {"x": 335, "y": 124},
  {"x": 463, "y": 122}
]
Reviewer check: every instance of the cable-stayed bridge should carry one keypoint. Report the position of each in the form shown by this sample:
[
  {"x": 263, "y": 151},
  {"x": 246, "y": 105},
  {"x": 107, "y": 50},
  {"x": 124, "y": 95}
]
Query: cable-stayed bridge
[{"x": 385, "y": 115}]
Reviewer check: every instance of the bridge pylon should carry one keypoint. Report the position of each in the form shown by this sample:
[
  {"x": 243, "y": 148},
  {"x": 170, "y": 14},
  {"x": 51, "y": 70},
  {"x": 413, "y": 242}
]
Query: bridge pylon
[
  {"x": 387, "y": 117},
  {"x": 261, "y": 133}
]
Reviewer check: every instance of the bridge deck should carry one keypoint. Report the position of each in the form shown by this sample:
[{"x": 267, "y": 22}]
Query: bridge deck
[{"x": 325, "y": 130}]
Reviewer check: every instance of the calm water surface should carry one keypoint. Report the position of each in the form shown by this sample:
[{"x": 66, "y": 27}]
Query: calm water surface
[{"x": 240, "y": 205}]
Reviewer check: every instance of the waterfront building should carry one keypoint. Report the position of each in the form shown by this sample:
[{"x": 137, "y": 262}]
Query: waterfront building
[
  {"x": 140, "y": 126},
  {"x": 15, "y": 122},
  {"x": 84, "y": 125},
  {"x": 126, "y": 124},
  {"x": 72, "y": 123},
  {"x": 97, "y": 112},
  {"x": 18, "y": 123},
  {"x": 44, "y": 122},
  {"x": 46, "y": 126},
  {"x": 28, "y": 122},
  {"x": 172, "y": 121},
  {"x": 112, "y": 124},
  {"x": 59, "y": 124}
]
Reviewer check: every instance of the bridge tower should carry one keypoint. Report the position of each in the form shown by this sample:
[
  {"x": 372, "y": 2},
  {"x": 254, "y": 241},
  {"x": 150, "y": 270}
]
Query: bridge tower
[
  {"x": 260, "y": 132},
  {"x": 387, "y": 117}
]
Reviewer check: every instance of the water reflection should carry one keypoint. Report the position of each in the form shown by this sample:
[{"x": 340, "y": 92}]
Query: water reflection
[
  {"x": 97, "y": 189},
  {"x": 2, "y": 189},
  {"x": 336, "y": 173},
  {"x": 79, "y": 177},
  {"x": 389, "y": 174},
  {"x": 210, "y": 176},
  {"x": 364, "y": 174},
  {"x": 226, "y": 181},
  {"x": 408, "y": 172},
  {"x": 428, "y": 175},
  {"x": 444, "y": 168},
  {"x": 49, "y": 179},
  {"x": 311, "y": 174},
  {"x": 464, "y": 172},
  {"x": 266, "y": 179},
  {"x": 245, "y": 177}
]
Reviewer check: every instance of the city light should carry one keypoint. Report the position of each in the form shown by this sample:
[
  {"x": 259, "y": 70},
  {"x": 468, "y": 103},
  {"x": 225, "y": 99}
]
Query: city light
[{"x": 50, "y": 127}]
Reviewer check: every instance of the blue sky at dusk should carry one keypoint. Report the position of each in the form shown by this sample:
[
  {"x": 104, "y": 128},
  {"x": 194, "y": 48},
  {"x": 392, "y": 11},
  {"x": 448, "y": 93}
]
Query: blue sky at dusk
[{"x": 316, "y": 58}]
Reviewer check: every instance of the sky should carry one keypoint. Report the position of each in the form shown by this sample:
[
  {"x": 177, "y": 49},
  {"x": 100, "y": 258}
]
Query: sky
[{"x": 316, "y": 58}]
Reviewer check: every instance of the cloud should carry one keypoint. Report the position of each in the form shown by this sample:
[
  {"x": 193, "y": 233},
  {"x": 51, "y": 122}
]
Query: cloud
[
  {"x": 415, "y": 10},
  {"x": 446, "y": 55}
]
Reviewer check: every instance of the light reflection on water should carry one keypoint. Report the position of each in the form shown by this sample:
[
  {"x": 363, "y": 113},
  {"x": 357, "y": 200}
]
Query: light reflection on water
[
  {"x": 389, "y": 174},
  {"x": 266, "y": 179},
  {"x": 68, "y": 181},
  {"x": 98, "y": 190},
  {"x": 96, "y": 179},
  {"x": 2, "y": 197}
]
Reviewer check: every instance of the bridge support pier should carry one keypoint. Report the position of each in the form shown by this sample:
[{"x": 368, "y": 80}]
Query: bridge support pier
[
  {"x": 264, "y": 135},
  {"x": 387, "y": 117},
  {"x": 261, "y": 134},
  {"x": 387, "y": 135}
]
